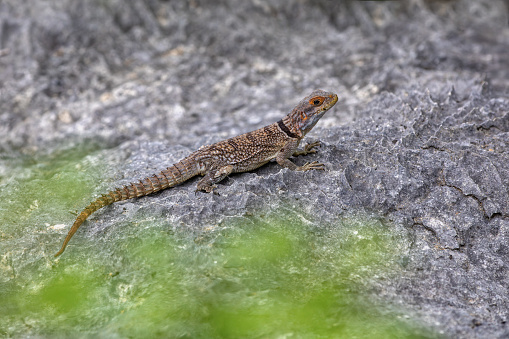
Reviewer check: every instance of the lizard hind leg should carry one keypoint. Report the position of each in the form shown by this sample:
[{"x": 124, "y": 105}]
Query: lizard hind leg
[{"x": 208, "y": 182}]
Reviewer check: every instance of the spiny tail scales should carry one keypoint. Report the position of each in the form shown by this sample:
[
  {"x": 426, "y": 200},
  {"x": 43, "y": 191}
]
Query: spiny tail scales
[{"x": 172, "y": 176}]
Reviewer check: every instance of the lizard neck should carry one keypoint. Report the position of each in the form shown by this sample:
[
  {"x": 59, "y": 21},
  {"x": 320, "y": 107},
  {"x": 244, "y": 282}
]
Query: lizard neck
[
  {"x": 285, "y": 129},
  {"x": 288, "y": 127}
]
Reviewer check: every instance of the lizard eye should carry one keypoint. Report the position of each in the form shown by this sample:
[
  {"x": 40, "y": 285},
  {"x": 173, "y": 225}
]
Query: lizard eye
[{"x": 316, "y": 101}]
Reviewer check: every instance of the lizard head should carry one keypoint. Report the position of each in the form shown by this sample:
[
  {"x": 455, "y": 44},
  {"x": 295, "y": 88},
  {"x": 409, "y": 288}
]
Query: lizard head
[{"x": 307, "y": 113}]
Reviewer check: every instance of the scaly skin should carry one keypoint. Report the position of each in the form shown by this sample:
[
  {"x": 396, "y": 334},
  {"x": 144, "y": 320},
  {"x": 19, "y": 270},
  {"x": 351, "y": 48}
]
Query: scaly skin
[{"x": 242, "y": 153}]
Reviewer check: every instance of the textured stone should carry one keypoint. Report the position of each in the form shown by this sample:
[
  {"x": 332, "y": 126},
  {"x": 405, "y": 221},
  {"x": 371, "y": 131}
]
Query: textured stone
[{"x": 419, "y": 138}]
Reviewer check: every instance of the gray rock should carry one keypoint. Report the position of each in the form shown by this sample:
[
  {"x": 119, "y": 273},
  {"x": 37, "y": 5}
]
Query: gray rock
[{"x": 419, "y": 138}]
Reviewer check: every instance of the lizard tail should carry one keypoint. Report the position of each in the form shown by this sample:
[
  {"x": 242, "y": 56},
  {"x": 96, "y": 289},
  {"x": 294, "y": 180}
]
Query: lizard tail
[{"x": 170, "y": 177}]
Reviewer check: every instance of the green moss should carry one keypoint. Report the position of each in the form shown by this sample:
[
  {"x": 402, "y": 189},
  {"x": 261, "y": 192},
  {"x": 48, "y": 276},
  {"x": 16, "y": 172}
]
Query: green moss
[
  {"x": 262, "y": 278},
  {"x": 38, "y": 187}
]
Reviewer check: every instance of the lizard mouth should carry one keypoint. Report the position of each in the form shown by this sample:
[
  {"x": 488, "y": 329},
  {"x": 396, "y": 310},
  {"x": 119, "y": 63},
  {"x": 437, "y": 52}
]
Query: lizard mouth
[{"x": 334, "y": 98}]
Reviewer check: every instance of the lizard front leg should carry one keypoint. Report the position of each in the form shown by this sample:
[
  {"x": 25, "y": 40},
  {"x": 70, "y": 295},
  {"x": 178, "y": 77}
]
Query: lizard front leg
[
  {"x": 290, "y": 149},
  {"x": 208, "y": 182}
]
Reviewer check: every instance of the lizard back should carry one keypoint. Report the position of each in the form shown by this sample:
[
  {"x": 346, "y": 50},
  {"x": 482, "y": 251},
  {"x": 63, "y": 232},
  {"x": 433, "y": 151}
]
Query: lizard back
[{"x": 245, "y": 152}]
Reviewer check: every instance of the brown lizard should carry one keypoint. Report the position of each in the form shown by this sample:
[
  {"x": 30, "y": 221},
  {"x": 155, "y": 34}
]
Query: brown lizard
[{"x": 242, "y": 153}]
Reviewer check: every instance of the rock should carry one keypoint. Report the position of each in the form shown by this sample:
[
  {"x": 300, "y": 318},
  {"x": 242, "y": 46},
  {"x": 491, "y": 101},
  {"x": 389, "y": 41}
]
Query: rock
[{"x": 419, "y": 138}]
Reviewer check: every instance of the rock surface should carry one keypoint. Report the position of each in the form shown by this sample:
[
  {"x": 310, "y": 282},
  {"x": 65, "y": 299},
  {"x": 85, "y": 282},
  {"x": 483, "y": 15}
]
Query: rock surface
[{"x": 420, "y": 136}]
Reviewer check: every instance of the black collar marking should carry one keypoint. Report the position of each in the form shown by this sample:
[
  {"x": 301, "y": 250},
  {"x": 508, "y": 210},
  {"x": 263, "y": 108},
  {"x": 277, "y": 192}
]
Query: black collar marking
[{"x": 285, "y": 129}]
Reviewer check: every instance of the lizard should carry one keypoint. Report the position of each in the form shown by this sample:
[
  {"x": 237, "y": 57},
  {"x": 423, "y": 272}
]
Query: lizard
[{"x": 246, "y": 152}]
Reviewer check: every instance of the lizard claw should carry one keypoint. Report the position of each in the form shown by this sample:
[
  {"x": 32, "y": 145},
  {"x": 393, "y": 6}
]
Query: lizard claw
[{"x": 315, "y": 165}]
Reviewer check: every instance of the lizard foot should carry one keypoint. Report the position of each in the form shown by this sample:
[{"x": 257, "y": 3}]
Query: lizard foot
[
  {"x": 315, "y": 165},
  {"x": 308, "y": 149},
  {"x": 207, "y": 189}
]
